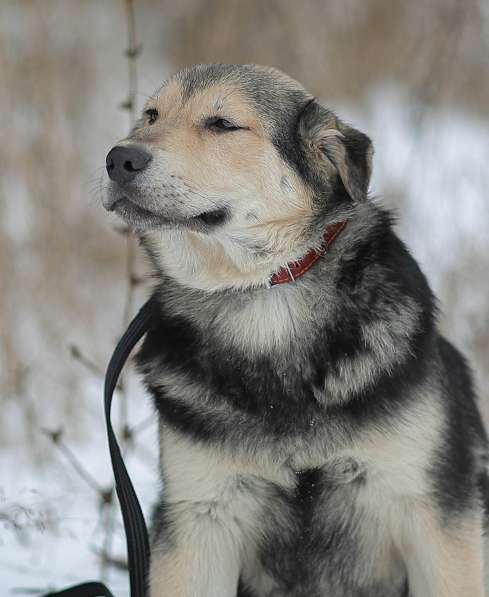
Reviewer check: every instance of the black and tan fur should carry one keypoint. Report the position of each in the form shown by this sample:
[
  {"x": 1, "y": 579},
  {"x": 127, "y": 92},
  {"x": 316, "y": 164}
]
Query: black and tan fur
[{"x": 318, "y": 438}]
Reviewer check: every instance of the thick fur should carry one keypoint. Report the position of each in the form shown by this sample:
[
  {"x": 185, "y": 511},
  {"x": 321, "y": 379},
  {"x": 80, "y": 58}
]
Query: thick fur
[{"x": 318, "y": 438}]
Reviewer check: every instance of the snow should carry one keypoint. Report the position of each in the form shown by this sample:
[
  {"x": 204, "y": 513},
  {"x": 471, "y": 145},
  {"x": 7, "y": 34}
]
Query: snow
[{"x": 59, "y": 533}]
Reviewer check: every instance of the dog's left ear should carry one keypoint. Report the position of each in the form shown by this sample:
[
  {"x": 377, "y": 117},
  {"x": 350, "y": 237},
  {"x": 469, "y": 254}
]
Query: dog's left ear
[{"x": 337, "y": 149}]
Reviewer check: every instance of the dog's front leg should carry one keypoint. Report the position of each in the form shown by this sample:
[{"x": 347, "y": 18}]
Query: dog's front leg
[
  {"x": 443, "y": 557},
  {"x": 197, "y": 554}
]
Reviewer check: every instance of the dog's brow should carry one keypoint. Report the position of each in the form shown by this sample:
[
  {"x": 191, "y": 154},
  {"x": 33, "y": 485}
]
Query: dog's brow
[{"x": 218, "y": 103}]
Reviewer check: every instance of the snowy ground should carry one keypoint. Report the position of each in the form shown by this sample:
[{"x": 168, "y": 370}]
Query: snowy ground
[
  {"x": 51, "y": 528},
  {"x": 55, "y": 529}
]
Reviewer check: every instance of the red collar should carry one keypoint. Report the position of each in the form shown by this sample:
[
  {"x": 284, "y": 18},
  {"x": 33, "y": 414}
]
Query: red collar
[{"x": 296, "y": 269}]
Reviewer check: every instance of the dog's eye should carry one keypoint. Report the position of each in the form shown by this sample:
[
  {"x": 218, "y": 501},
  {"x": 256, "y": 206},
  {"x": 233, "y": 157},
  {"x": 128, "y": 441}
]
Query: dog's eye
[
  {"x": 220, "y": 125},
  {"x": 152, "y": 114}
]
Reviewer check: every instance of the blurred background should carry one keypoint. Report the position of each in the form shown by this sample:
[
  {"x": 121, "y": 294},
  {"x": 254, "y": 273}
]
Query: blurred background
[{"x": 413, "y": 75}]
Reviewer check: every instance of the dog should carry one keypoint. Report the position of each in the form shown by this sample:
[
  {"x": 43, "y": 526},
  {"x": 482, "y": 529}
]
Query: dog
[{"x": 318, "y": 436}]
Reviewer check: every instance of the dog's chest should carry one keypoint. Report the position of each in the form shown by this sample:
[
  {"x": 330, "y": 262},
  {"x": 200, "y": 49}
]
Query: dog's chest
[
  {"x": 320, "y": 531},
  {"x": 327, "y": 537},
  {"x": 196, "y": 378}
]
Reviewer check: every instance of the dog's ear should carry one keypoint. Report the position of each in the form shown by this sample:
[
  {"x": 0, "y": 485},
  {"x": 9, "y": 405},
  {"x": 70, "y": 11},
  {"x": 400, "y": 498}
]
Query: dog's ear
[{"x": 337, "y": 149}]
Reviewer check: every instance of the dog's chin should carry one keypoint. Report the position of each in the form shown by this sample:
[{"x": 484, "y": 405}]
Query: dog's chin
[{"x": 142, "y": 219}]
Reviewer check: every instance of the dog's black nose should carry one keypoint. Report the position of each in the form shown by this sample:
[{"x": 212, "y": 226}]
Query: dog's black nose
[{"x": 123, "y": 163}]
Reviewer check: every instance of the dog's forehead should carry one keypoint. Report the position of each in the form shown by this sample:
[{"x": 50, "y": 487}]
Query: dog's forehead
[
  {"x": 265, "y": 91},
  {"x": 249, "y": 78}
]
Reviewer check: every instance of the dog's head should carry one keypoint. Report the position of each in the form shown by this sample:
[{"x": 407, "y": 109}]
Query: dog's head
[{"x": 233, "y": 171}]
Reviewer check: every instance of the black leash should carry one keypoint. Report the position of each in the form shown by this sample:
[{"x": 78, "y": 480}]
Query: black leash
[
  {"x": 134, "y": 524},
  {"x": 86, "y": 589}
]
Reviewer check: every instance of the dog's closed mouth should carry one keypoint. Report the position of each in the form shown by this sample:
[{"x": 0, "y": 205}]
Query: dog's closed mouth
[{"x": 145, "y": 219}]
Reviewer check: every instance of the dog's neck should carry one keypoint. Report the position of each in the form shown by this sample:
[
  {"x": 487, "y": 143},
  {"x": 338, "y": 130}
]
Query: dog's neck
[
  {"x": 332, "y": 302},
  {"x": 288, "y": 318},
  {"x": 296, "y": 269},
  {"x": 220, "y": 263}
]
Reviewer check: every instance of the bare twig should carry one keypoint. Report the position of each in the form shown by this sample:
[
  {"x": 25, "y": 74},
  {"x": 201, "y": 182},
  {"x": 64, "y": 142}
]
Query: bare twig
[
  {"x": 94, "y": 369},
  {"x": 132, "y": 280},
  {"x": 112, "y": 561},
  {"x": 78, "y": 355},
  {"x": 142, "y": 425},
  {"x": 107, "y": 513},
  {"x": 132, "y": 53},
  {"x": 56, "y": 436}
]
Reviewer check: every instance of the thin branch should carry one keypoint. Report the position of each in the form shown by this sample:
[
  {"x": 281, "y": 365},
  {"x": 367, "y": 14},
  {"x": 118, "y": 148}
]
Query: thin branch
[
  {"x": 108, "y": 513},
  {"x": 112, "y": 561},
  {"x": 78, "y": 355},
  {"x": 94, "y": 369},
  {"x": 56, "y": 436},
  {"x": 142, "y": 425},
  {"x": 132, "y": 53}
]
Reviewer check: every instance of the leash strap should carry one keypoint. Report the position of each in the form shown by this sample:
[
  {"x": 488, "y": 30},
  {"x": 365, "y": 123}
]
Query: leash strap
[
  {"x": 87, "y": 589},
  {"x": 134, "y": 524}
]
